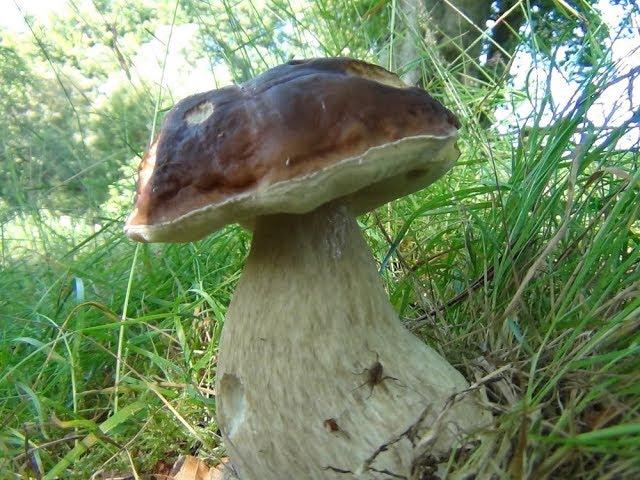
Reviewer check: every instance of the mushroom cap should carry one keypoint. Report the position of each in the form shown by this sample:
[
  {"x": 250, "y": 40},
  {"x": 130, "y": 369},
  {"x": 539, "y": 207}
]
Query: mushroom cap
[{"x": 294, "y": 138}]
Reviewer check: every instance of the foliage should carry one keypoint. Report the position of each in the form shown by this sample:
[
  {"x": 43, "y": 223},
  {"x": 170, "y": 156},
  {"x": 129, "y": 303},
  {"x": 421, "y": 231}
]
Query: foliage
[{"x": 525, "y": 259}]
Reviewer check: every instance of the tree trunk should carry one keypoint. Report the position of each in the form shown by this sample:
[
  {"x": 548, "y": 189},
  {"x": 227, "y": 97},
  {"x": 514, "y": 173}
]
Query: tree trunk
[{"x": 457, "y": 30}]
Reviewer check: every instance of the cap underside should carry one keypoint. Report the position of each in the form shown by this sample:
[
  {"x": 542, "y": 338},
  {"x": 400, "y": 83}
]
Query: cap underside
[{"x": 363, "y": 182}]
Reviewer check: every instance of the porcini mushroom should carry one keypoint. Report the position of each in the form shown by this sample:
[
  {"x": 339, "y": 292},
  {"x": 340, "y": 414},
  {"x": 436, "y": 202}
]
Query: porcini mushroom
[{"x": 316, "y": 376}]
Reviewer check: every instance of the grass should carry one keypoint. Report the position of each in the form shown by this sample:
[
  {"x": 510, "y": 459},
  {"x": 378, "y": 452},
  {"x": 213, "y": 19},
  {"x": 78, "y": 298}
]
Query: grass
[{"x": 525, "y": 259}]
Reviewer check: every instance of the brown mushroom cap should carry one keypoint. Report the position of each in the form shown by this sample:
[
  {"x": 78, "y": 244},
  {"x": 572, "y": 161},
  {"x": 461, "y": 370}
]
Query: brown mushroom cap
[{"x": 288, "y": 141}]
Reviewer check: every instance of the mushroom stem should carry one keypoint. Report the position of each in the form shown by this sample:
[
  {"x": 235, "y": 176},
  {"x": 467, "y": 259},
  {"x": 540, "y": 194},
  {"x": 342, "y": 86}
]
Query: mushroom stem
[{"x": 316, "y": 374}]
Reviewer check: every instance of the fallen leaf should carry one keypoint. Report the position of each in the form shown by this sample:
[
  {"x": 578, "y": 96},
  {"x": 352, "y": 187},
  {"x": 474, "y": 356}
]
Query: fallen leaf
[{"x": 191, "y": 468}]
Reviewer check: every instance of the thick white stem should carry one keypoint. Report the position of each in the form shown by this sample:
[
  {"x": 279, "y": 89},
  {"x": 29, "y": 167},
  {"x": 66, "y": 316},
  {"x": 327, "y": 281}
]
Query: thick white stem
[{"x": 315, "y": 373}]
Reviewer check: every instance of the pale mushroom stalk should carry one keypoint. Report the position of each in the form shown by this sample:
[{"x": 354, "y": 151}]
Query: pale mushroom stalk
[{"x": 308, "y": 322}]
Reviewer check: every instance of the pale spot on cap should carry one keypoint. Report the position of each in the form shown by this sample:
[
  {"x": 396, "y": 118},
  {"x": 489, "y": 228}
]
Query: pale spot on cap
[{"x": 199, "y": 113}]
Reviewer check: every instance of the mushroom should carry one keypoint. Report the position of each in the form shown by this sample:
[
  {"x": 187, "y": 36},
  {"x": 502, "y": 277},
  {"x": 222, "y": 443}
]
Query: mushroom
[{"x": 316, "y": 376}]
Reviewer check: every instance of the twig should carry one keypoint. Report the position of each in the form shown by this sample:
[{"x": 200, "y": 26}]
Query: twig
[
  {"x": 486, "y": 276},
  {"x": 408, "y": 433}
]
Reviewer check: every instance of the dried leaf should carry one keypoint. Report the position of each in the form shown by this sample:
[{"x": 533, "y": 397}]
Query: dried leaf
[{"x": 191, "y": 468}]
